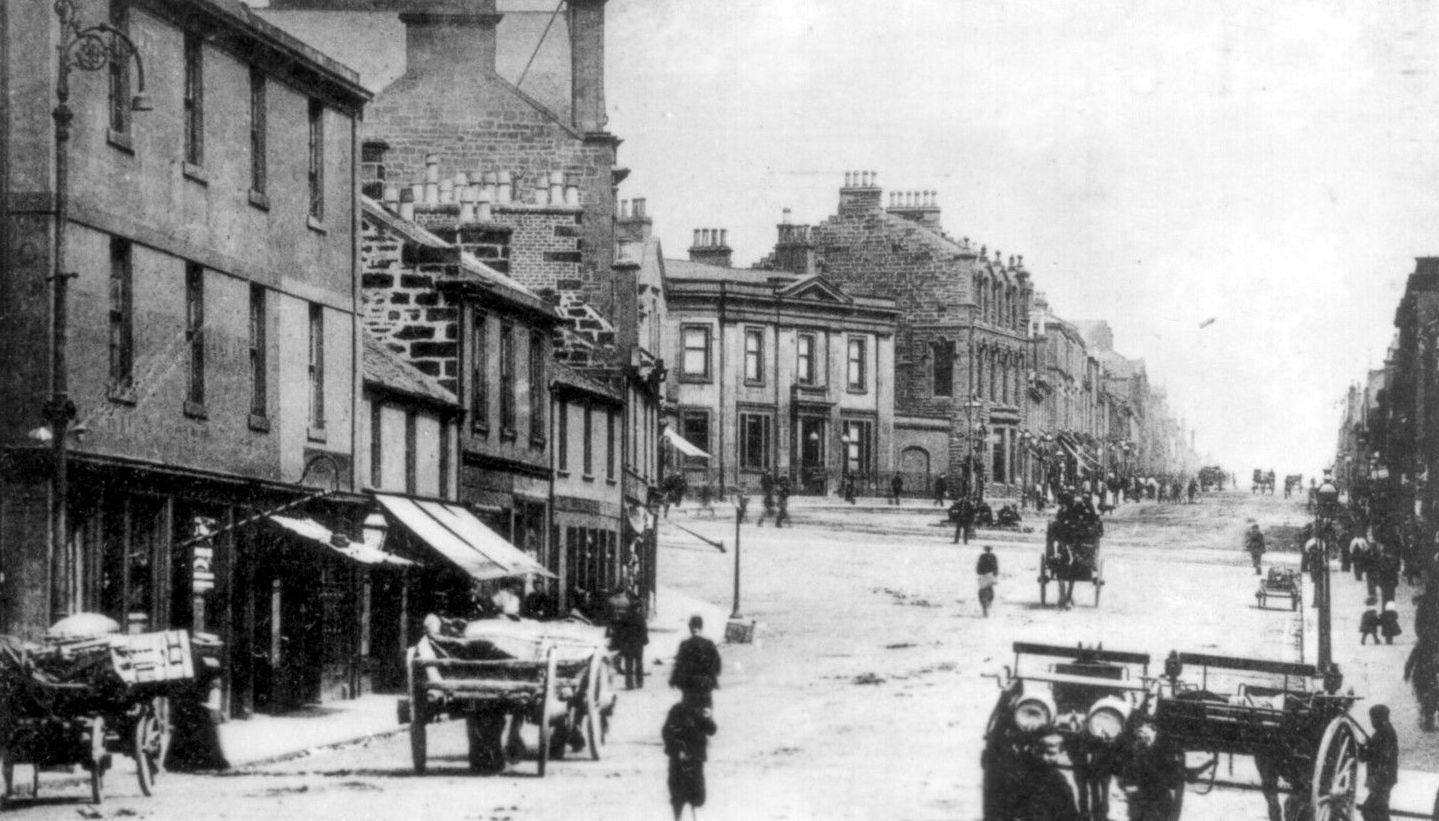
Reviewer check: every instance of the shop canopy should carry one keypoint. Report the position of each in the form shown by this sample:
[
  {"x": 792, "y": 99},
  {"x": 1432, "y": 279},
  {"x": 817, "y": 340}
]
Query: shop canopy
[
  {"x": 684, "y": 445},
  {"x": 463, "y": 540},
  {"x": 312, "y": 531}
]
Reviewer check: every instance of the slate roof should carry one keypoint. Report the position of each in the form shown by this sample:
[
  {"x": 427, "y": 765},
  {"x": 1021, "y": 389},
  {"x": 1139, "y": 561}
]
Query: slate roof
[
  {"x": 384, "y": 368},
  {"x": 685, "y": 269}
]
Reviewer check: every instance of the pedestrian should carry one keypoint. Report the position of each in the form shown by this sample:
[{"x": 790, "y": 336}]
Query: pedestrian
[
  {"x": 848, "y": 487},
  {"x": 1381, "y": 755},
  {"x": 963, "y": 519},
  {"x": 1389, "y": 622},
  {"x": 782, "y": 498},
  {"x": 697, "y": 666},
  {"x": 1193, "y": 489},
  {"x": 1254, "y": 543},
  {"x": 1421, "y": 670},
  {"x": 1388, "y": 567},
  {"x": 1149, "y": 775},
  {"x": 766, "y": 486},
  {"x": 987, "y": 569},
  {"x": 1359, "y": 555},
  {"x": 896, "y": 487},
  {"x": 707, "y": 499},
  {"x": 630, "y": 634},
  {"x": 1369, "y": 622},
  {"x": 941, "y": 490},
  {"x": 1042, "y": 791},
  {"x": 686, "y": 734}
]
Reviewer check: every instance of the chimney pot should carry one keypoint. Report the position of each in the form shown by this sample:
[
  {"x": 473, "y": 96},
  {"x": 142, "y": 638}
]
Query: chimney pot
[
  {"x": 557, "y": 187},
  {"x": 461, "y": 180},
  {"x": 484, "y": 211},
  {"x": 874, "y": 178},
  {"x": 624, "y": 209},
  {"x": 447, "y": 191},
  {"x": 724, "y": 236},
  {"x": 407, "y": 205},
  {"x": 504, "y": 190},
  {"x": 432, "y": 193},
  {"x": 392, "y": 196},
  {"x": 639, "y": 207},
  {"x": 542, "y": 194},
  {"x": 432, "y": 168},
  {"x": 784, "y": 217},
  {"x": 848, "y": 179},
  {"x": 696, "y": 242}
]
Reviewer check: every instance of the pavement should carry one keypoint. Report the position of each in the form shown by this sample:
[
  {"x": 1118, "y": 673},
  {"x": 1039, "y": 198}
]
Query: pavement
[{"x": 264, "y": 739}]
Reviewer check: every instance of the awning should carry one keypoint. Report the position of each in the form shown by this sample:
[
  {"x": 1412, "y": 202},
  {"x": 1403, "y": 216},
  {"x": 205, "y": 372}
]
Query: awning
[
  {"x": 455, "y": 533},
  {"x": 313, "y": 531},
  {"x": 684, "y": 445}
]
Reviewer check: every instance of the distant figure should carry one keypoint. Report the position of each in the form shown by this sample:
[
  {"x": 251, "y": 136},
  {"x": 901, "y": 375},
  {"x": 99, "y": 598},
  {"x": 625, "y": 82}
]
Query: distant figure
[
  {"x": 963, "y": 515},
  {"x": 781, "y": 492},
  {"x": 848, "y": 486},
  {"x": 1381, "y": 754},
  {"x": 707, "y": 499},
  {"x": 686, "y": 735},
  {"x": 1359, "y": 555},
  {"x": 630, "y": 634},
  {"x": 1369, "y": 622},
  {"x": 697, "y": 666},
  {"x": 1193, "y": 489},
  {"x": 941, "y": 490},
  {"x": 987, "y": 569},
  {"x": 1389, "y": 623},
  {"x": 766, "y": 486},
  {"x": 896, "y": 487},
  {"x": 1254, "y": 543},
  {"x": 1421, "y": 670},
  {"x": 506, "y": 600}
]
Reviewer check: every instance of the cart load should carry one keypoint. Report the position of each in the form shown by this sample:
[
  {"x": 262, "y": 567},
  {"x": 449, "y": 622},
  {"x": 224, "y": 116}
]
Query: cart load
[
  {"x": 78, "y": 696},
  {"x": 1282, "y": 583},
  {"x": 495, "y": 672}
]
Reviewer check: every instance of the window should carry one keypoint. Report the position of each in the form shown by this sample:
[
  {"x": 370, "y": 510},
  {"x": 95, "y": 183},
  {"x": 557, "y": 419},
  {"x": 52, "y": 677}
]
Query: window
[
  {"x": 610, "y": 445},
  {"x": 479, "y": 379},
  {"x": 695, "y": 359},
  {"x": 377, "y": 448},
  {"x": 122, "y": 352},
  {"x": 804, "y": 368},
  {"x": 754, "y": 356},
  {"x": 562, "y": 445},
  {"x": 507, "y": 378},
  {"x": 695, "y": 428},
  {"x": 194, "y": 102},
  {"x": 755, "y": 434},
  {"x": 588, "y": 464},
  {"x": 317, "y": 160},
  {"x": 411, "y": 450},
  {"x": 859, "y": 446},
  {"x": 119, "y": 68},
  {"x": 195, "y": 331},
  {"x": 857, "y": 380},
  {"x": 943, "y": 368},
  {"x": 317, "y": 367},
  {"x": 258, "y": 398},
  {"x": 538, "y": 393},
  {"x": 257, "y": 131},
  {"x": 444, "y": 485}
]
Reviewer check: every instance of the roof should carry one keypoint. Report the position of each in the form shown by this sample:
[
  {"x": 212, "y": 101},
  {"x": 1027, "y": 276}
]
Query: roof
[
  {"x": 686, "y": 269},
  {"x": 565, "y": 375},
  {"x": 384, "y": 368},
  {"x": 250, "y": 25}
]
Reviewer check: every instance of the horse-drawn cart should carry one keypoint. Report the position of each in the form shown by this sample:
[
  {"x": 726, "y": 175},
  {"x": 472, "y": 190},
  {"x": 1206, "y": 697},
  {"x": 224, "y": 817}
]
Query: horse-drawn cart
[
  {"x": 1071, "y": 554},
  {"x": 1280, "y": 583},
  {"x": 74, "y": 701},
  {"x": 551, "y": 674}
]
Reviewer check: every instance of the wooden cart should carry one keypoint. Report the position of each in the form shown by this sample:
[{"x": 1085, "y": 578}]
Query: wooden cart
[
  {"x": 1071, "y": 554},
  {"x": 553, "y": 675},
  {"x": 1283, "y": 584},
  {"x": 77, "y": 702}
]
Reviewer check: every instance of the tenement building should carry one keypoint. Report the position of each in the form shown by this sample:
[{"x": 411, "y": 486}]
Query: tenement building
[
  {"x": 777, "y": 372},
  {"x": 961, "y": 352}
]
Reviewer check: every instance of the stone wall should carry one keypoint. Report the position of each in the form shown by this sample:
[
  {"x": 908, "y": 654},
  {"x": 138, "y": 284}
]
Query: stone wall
[{"x": 401, "y": 306}]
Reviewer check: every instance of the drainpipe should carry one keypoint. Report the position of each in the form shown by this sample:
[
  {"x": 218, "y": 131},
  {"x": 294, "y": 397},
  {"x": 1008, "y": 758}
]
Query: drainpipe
[
  {"x": 562, "y": 600},
  {"x": 719, "y": 374}
]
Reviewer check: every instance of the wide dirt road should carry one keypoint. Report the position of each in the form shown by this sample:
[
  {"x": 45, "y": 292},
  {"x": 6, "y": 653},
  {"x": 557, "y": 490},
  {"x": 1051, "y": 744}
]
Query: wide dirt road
[{"x": 864, "y": 696}]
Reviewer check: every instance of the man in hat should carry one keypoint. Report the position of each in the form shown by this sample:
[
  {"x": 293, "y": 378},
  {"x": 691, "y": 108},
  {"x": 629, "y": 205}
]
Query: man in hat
[
  {"x": 1254, "y": 543},
  {"x": 697, "y": 666},
  {"x": 1381, "y": 753}
]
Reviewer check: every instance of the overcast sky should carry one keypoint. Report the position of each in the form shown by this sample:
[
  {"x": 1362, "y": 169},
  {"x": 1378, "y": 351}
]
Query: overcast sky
[{"x": 1269, "y": 165}]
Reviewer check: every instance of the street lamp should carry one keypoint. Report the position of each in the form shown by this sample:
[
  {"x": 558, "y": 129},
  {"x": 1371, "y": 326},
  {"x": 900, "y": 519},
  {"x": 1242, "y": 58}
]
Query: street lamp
[
  {"x": 1326, "y": 509},
  {"x": 89, "y": 49}
]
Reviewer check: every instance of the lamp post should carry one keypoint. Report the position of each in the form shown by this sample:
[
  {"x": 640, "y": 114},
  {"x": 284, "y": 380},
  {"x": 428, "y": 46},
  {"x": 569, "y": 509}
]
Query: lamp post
[
  {"x": 1327, "y": 507},
  {"x": 89, "y": 48}
]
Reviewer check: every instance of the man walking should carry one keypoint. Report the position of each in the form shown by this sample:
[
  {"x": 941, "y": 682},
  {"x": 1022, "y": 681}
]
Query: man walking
[
  {"x": 963, "y": 519},
  {"x": 1254, "y": 543},
  {"x": 782, "y": 492},
  {"x": 630, "y": 634},
  {"x": 1381, "y": 753},
  {"x": 987, "y": 569},
  {"x": 896, "y": 487},
  {"x": 766, "y": 486},
  {"x": 697, "y": 666},
  {"x": 941, "y": 490}
]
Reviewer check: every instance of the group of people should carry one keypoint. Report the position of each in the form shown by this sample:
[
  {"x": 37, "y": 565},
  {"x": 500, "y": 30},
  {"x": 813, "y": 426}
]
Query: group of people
[{"x": 690, "y": 722}]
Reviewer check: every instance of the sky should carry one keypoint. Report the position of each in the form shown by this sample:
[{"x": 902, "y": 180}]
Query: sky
[{"x": 1268, "y": 165}]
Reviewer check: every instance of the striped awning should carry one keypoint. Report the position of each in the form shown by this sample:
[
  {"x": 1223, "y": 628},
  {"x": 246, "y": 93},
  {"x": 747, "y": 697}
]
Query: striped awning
[{"x": 463, "y": 540}]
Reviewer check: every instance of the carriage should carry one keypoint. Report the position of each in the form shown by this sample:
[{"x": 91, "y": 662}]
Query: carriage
[
  {"x": 553, "y": 675},
  {"x": 1085, "y": 695},
  {"x": 80, "y": 700},
  {"x": 1288, "y": 717},
  {"x": 1071, "y": 554},
  {"x": 1282, "y": 583}
]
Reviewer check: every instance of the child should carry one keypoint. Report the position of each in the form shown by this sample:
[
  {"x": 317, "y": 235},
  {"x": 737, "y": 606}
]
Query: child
[
  {"x": 686, "y": 738},
  {"x": 1389, "y": 623},
  {"x": 1369, "y": 622}
]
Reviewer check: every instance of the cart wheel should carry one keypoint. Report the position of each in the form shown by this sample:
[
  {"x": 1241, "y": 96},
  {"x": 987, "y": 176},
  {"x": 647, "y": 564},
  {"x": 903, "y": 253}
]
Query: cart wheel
[
  {"x": 419, "y": 717},
  {"x": 145, "y": 749},
  {"x": 547, "y": 706},
  {"x": 97, "y": 759},
  {"x": 1336, "y": 773},
  {"x": 592, "y": 706}
]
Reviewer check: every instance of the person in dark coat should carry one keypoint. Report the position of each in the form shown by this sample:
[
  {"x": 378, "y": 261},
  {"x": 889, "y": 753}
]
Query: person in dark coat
[
  {"x": 1381, "y": 754},
  {"x": 1254, "y": 543},
  {"x": 766, "y": 487},
  {"x": 1388, "y": 573},
  {"x": 781, "y": 492},
  {"x": 1389, "y": 623},
  {"x": 1042, "y": 793},
  {"x": 896, "y": 487},
  {"x": 697, "y": 666},
  {"x": 1369, "y": 621},
  {"x": 941, "y": 490},
  {"x": 630, "y": 634},
  {"x": 963, "y": 519},
  {"x": 987, "y": 569},
  {"x": 1149, "y": 774},
  {"x": 1422, "y": 671},
  {"x": 686, "y": 734}
]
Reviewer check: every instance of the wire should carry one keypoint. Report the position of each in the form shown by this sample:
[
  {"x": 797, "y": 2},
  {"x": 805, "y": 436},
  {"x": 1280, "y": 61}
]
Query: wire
[{"x": 543, "y": 35}]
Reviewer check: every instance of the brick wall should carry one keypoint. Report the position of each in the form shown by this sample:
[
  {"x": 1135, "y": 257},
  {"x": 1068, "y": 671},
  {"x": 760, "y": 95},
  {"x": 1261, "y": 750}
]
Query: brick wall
[{"x": 401, "y": 306}]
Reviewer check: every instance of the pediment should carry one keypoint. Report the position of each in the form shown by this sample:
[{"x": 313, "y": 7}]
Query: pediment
[{"x": 815, "y": 288}]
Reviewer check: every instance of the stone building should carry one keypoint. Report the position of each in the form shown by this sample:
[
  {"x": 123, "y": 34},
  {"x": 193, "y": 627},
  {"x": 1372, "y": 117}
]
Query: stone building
[
  {"x": 778, "y": 372},
  {"x": 1068, "y": 422},
  {"x": 962, "y": 349},
  {"x": 588, "y": 548},
  {"x": 213, "y": 376}
]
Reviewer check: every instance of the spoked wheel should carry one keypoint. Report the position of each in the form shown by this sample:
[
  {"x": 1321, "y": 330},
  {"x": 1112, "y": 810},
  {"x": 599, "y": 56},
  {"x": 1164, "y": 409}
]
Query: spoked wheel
[
  {"x": 592, "y": 706},
  {"x": 1336, "y": 773},
  {"x": 97, "y": 759},
  {"x": 547, "y": 708},
  {"x": 145, "y": 746}
]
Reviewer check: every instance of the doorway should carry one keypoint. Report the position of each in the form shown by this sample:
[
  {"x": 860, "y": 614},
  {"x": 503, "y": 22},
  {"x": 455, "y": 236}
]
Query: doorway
[{"x": 812, "y": 474}]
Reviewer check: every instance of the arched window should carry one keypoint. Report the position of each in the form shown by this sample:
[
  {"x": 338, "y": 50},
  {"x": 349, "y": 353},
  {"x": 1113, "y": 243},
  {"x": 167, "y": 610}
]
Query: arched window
[{"x": 943, "y": 367}]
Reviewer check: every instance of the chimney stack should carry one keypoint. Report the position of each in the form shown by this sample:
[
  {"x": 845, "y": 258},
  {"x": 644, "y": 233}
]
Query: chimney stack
[
  {"x": 794, "y": 252},
  {"x": 916, "y": 206},
  {"x": 587, "y": 65},
  {"x": 860, "y": 192},
  {"x": 711, "y": 247},
  {"x": 450, "y": 38},
  {"x": 634, "y": 225}
]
